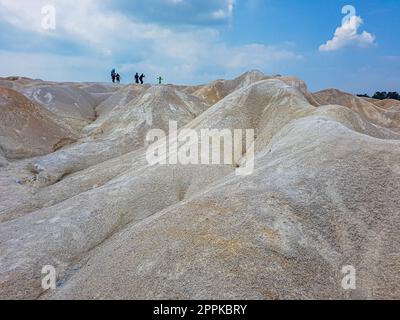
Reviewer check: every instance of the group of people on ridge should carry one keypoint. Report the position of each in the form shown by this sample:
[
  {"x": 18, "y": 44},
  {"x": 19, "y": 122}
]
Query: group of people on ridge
[
  {"x": 139, "y": 78},
  {"x": 115, "y": 77}
]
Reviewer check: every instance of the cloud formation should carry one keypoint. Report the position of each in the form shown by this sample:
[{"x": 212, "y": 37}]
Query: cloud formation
[
  {"x": 117, "y": 33},
  {"x": 347, "y": 36},
  {"x": 176, "y": 12}
]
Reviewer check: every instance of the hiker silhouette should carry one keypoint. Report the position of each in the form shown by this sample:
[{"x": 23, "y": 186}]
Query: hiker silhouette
[
  {"x": 160, "y": 80},
  {"x": 137, "y": 77},
  {"x": 113, "y": 74},
  {"x": 142, "y": 76},
  {"x": 118, "y": 78}
]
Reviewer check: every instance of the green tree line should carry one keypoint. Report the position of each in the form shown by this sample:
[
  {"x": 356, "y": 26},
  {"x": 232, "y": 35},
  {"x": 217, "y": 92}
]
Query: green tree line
[{"x": 382, "y": 95}]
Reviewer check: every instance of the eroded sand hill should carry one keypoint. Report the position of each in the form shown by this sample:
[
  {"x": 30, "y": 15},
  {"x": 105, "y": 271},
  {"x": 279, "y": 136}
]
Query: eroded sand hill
[
  {"x": 325, "y": 193},
  {"x": 74, "y": 103},
  {"x": 27, "y": 130}
]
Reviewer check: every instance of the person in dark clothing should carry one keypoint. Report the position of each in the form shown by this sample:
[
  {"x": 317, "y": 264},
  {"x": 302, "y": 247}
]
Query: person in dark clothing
[
  {"x": 142, "y": 76},
  {"x": 118, "y": 78},
  {"x": 137, "y": 77},
  {"x": 113, "y": 74}
]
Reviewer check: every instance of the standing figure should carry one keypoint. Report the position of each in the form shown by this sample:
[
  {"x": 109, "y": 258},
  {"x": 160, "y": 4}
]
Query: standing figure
[
  {"x": 113, "y": 74},
  {"x": 137, "y": 78},
  {"x": 160, "y": 80},
  {"x": 141, "y": 78},
  {"x": 118, "y": 78}
]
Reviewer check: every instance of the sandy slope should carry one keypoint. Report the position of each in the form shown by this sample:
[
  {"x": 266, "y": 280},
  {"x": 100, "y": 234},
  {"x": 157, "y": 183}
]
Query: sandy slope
[
  {"x": 375, "y": 112},
  {"x": 325, "y": 193},
  {"x": 27, "y": 130},
  {"x": 122, "y": 130},
  {"x": 74, "y": 103}
]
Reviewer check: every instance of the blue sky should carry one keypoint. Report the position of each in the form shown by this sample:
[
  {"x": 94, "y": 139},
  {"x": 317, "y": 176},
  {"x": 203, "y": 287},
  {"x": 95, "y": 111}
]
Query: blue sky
[{"x": 196, "y": 41}]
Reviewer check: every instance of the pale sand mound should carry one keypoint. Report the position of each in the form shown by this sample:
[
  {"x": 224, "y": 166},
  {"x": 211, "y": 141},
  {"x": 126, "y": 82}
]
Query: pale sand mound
[
  {"x": 15, "y": 82},
  {"x": 75, "y": 106},
  {"x": 325, "y": 193},
  {"x": 219, "y": 89},
  {"x": 120, "y": 98},
  {"x": 284, "y": 232},
  {"x": 28, "y": 130},
  {"x": 99, "y": 91},
  {"x": 240, "y": 110},
  {"x": 373, "y": 112},
  {"x": 387, "y": 104},
  {"x": 74, "y": 103},
  {"x": 120, "y": 130},
  {"x": 3, "y": 161}
]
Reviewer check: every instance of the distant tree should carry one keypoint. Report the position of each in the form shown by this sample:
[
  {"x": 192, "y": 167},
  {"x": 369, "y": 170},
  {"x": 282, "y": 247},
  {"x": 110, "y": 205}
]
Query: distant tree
[
  {"x": 393, "y": 95},
  {"x": 386, "y": 95},
  {"x": 363, "y": 95},
  {"x": 380, "y": 95}
]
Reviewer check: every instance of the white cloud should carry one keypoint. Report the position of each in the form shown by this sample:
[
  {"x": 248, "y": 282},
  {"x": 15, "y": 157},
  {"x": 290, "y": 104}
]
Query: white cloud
[
  {"x": 184, "y": 54},
  {"x": 53, "y": 67},
  {"x": 176, "y": 12},
  {"x": 347, "y": 35}
]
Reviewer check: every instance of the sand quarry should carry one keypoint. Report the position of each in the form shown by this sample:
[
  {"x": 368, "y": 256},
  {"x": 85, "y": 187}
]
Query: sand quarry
[{"x": 77, "y": 193}]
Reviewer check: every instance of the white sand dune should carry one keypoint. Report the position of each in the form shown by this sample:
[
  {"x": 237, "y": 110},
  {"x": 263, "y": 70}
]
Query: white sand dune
[
  {"x": 325, "y": 193},
  {"x": 27, "y": 130}
]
